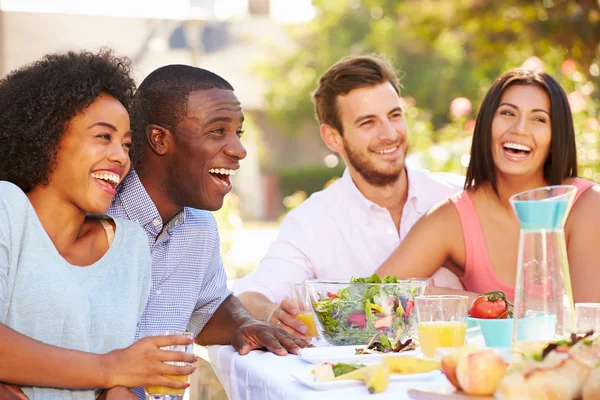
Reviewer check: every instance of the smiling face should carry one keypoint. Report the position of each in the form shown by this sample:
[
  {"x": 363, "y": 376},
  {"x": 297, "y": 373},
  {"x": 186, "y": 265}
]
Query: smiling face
[
  {"x": 93, "y": 156},
  {"x": 206, "y": 150},
  {"x": 375, "y": 134},
  {"x": 521, "y": 132}
]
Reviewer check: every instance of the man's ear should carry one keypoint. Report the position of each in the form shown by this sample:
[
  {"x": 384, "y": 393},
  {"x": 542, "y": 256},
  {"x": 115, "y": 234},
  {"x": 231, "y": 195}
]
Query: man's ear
[
  {"x": 158, "y": 139},
  {"x": 332, "y": 138}
]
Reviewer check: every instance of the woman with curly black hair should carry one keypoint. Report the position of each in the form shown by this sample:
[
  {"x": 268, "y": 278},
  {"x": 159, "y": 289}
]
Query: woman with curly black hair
[{"x": 72, "y": 284}]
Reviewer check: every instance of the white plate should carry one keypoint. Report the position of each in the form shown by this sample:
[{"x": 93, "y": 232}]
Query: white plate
[
  {"x": 346, "y": 354},
  {"x": 308, "y": 379}
]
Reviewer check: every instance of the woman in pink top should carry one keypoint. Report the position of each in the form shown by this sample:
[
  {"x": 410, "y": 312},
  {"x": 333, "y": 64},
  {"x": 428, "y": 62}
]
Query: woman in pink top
[{"x": 524, "y": 139}]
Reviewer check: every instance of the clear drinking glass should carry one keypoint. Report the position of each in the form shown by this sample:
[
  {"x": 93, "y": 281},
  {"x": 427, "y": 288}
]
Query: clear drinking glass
[
  {"x": 162, "y": 392},
  {"x": 587, "y": 317},
  {"x": 300, "y": 297},
  {"x": 543, "y": 306},
  {"x": 441, "y": 321}
]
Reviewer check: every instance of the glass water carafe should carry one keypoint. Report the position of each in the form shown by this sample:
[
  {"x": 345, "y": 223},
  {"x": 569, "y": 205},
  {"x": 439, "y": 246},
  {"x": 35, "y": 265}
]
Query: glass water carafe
[{"x": 543, "y": 304}]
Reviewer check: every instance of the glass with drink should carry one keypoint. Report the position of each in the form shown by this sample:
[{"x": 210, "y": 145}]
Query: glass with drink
[
  {"x": 587, "y": 317},
  {"x": 163, "y": 392},
  {"x": 441, "y": 322},
  {"x": 301, "y": 298}
]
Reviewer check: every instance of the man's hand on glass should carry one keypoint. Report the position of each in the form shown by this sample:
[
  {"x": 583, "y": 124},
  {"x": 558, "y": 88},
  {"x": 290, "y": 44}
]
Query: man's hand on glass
[
  {"x": 256, "y": 334},
  {"x": 285, "y": 316}
]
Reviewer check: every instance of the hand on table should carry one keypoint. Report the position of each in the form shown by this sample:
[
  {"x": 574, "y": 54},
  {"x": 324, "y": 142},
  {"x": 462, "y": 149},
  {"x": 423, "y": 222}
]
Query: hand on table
[
  {"x": 256, "y": 334},
  {"x": 285, "y": 317},
  {"x": 11, "y": 392},
  {"x": 117, "y": 393}
]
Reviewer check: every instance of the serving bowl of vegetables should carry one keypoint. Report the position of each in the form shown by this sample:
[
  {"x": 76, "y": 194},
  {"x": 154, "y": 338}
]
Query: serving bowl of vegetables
[{"x": 352, "y": 312}]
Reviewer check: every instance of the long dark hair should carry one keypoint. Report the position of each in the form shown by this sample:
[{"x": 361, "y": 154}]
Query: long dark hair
[{"x": 562, "y": 159}]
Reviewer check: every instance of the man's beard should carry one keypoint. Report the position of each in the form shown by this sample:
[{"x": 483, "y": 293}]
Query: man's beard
[{"x": 368, "y": 171}]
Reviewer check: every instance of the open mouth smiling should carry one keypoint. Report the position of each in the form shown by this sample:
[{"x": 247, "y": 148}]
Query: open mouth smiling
[
  {"x": 388, "y": 150},
  {"x": 222, "y": 175},
  {"x": 516, "y": 149},
  {"x": 107, "y": 179}
]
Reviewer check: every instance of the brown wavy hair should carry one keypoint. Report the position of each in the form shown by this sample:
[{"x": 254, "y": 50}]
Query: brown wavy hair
[{"x": 349, "y": 73}]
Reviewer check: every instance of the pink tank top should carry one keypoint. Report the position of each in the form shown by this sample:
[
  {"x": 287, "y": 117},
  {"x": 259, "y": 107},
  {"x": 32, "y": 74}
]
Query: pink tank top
[{"x": 479, "y": 275}]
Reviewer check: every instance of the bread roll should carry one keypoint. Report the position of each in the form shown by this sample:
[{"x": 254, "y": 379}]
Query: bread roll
[
  {"x": 591, "y": 387},
  {"x": 562, "y": 382}
]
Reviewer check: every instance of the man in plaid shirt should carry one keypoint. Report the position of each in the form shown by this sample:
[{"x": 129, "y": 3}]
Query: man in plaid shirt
[{"x": 186, "y": 126}]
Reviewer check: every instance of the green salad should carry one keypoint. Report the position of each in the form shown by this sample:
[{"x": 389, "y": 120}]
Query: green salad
[{"x": 354, "y": 314}]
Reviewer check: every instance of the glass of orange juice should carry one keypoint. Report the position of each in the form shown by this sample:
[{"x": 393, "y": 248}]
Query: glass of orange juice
[
  {"x": 441, "y": 321},
  {"x": 162, "y": 392},
  {"x": 300, "y": 297}
]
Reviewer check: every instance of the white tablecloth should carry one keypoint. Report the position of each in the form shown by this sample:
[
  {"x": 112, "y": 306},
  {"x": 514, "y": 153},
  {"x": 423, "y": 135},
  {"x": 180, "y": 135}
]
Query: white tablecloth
[{"x": 261, "y": 375}]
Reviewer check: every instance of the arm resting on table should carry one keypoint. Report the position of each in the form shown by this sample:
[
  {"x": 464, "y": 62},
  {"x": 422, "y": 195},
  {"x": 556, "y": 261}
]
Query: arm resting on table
[{"x": 220, "y": 328}]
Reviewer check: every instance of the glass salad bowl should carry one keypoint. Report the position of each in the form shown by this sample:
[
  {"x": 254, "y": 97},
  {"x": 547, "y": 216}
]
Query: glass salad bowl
[{"x": 353, "y": 312}]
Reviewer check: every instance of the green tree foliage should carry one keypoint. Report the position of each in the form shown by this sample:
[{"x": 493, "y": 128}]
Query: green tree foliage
[{"x": 447, "y": 48}]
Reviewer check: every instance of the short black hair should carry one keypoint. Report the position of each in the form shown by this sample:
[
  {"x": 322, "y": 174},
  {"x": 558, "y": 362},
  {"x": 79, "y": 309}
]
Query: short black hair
[
  {"x": 562, "y": 160},
  {"x": 162, "y": 99},
  {"x": 37, "y": 102}
]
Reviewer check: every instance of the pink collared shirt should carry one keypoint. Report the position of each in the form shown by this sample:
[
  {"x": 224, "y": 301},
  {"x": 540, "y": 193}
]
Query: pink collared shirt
[{"x": 337, "y": 233}]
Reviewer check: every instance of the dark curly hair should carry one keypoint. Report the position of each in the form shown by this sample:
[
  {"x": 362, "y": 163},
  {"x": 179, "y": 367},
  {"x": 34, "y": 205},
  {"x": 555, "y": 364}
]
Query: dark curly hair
[{"x": 37, "y": 102}]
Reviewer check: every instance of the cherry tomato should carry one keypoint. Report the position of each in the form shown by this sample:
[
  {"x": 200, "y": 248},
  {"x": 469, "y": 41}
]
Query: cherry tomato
[
  {"x": 492, "y": 305},
  {"x": 332, "y": 295}
]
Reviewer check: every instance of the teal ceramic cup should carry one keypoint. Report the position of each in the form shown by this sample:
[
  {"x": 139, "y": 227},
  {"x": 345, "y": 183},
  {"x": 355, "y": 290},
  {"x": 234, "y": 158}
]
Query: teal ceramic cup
[{"x": 496, "y": 332}]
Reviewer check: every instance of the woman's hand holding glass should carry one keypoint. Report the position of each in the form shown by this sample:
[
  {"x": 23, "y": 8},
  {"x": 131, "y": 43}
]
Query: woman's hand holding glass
[{"x": 144, "y": 363}]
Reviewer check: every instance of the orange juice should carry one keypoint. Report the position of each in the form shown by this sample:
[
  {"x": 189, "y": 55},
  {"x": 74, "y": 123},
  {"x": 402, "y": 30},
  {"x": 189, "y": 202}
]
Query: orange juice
[
  {"x": 309, "y": 320},
  {"x": 165, "y": 390},
  {"x": 440, "y": 334}
]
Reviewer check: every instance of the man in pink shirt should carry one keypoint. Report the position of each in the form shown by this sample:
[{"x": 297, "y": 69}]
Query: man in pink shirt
[{"x": 351, "y": 227}]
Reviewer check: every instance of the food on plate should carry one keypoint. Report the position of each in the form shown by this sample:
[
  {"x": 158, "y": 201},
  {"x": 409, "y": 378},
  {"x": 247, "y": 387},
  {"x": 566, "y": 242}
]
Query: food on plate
[
  {"x": 409, "y": 365},
  {"x": 355, "y": 312},
  {"x": 529, "y": 349},
  {"x": 328, "y": 371},
  {"x": 560, "y": 371},
  {"x": 479, "y": 372},
  {"x": 449, "y": 361},
  {"x": 343, "y": 368},
  {"x": 376, "y": 377},
  {"x": 380, "y": 343},
  {"x": 591, "y": 387},
  {"x": 491, "y": 305},
  {"x": 324, "y": 373}
]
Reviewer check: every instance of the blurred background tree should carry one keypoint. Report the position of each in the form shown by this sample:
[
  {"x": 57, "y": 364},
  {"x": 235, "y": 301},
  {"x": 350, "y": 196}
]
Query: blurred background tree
[{"x": 449, "y": 51}]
